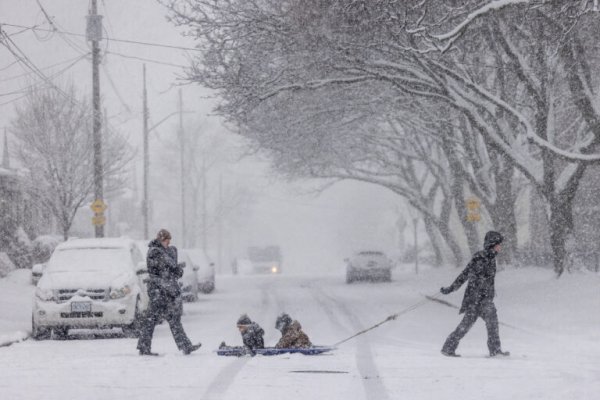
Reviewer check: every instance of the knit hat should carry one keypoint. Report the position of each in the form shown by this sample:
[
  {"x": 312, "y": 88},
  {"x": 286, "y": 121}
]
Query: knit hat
[
  {"x": 491, "y": 239},
  {"x": 244, "y": 320},
  {"x": 282, "y": 322},
  {"x": 163, "y": 234}
]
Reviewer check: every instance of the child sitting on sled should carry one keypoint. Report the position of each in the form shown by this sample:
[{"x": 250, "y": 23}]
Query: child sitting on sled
[
  {"x": 252, "y": 335},
  {"x": 292, "y": 336}
]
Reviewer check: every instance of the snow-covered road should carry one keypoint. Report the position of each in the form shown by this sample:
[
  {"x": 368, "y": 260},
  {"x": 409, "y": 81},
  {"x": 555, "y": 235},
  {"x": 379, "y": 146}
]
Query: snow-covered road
[{"x": 555, "y": 348}]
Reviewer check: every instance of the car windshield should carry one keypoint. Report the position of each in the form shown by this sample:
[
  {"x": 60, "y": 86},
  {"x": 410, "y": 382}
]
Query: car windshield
[{"x": 88, "y": 259}]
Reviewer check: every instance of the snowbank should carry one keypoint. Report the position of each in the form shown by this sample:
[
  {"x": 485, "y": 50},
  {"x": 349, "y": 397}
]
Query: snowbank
[{"x": 16, "y": 296}]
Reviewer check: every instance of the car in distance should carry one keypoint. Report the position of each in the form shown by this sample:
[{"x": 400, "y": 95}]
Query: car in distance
[
  {"x": 189, "y": 281},
  {"x": 265, "y": 260},
  {"x": 91, "y": 283},
  {"x": 370, "y": 265},
  {"x": 205, "y": 269}
]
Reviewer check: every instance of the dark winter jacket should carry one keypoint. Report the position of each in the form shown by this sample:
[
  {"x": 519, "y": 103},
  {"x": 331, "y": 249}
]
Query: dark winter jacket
[
  {"x": 163, "y": 271},
  {"x": 293, "y": 338},
  {"x": 253, "y": 337},
  {"x": 480, "y": 272}
]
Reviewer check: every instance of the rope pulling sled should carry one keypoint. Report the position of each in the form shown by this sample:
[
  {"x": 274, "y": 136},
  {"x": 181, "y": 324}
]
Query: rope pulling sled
[{"x": 270, "y": 351}]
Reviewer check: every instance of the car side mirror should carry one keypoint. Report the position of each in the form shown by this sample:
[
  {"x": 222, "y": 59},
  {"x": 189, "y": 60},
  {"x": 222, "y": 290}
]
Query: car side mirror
[
  {"x": 39, "y": 268},
  {"x": 141, "y": 269}
]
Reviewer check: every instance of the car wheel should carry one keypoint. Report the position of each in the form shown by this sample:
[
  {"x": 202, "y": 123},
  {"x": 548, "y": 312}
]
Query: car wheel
[
  {"x": 207, "y": 287},
  {"x": 60, "y": 332},
  {"x": 349, "y": 278},
  {"x": 387, "y": 277},
  {"x": 133, "y": 330},
  {"x": 39, "y": 332}
]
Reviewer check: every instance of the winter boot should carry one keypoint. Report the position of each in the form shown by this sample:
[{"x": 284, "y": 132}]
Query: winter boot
[
  {"x": 147, "y": 353},
  {"x": 192, "y": 348},
  {"x": 450, "y": 353},
  {"x": 500, "y": 353}
]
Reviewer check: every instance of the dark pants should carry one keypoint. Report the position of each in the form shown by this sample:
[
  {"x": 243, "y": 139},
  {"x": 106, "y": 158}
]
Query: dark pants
[
  {"x": 158, "y": 310},
  {"x": 487, "y": 312}
]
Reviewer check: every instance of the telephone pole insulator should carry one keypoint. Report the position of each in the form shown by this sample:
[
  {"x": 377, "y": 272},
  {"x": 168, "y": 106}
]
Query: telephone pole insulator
[{"x": 93, "y": 31}]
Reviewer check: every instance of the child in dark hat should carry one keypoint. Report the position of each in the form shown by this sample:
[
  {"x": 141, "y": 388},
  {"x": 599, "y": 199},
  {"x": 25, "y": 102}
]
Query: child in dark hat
[{"x": 252, "y": 333}]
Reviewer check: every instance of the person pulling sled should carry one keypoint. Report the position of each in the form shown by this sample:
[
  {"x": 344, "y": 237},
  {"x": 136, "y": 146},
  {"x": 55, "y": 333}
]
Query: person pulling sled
[{"x": 478, "y": 300}]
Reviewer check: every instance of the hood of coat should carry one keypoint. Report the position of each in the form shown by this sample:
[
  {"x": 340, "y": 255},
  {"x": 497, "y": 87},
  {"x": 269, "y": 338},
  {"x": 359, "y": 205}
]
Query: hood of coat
[
  {"x": 155, "y": 243},
  {"x": 294, "y": 326},
  {"x": 492, "y": 238}
]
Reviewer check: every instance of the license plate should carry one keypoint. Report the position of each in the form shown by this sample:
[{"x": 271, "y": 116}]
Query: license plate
[{"x": 81, "y": 306}]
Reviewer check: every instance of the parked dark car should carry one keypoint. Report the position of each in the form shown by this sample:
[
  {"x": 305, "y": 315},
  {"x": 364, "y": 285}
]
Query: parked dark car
[{"x": 369, "y": 265}]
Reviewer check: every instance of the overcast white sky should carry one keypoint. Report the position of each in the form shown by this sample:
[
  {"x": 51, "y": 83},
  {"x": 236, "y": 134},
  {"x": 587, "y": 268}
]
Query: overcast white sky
[{"x": 315, "y": 232}]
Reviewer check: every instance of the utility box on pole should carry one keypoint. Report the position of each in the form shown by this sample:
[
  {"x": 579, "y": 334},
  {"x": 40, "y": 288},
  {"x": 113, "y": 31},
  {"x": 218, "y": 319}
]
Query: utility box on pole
[{"x": 93, "y": 31}]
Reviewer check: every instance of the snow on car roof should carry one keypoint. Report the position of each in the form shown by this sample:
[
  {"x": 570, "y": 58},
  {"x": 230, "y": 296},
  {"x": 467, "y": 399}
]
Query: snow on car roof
[{"x": 95, "y": 243}]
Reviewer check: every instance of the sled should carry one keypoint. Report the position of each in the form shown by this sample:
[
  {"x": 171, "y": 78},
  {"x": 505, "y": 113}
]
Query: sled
[{"x": 239, "y": 351}]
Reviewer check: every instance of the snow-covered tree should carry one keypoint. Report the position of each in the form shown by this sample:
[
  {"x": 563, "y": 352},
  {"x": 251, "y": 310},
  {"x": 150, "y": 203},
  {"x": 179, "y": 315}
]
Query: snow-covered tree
[
  {"x": 55, "y": 147},
  {"x": 519, "y": 102}
]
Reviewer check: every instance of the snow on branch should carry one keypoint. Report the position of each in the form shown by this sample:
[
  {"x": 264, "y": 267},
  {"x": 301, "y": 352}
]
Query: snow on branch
[
  {"x": 313, "y": 85},
  {"x": 494, "y": 5}
]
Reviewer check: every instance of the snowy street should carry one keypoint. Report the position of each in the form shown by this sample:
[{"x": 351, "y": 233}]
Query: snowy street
[{"x": 554, "y": 342}]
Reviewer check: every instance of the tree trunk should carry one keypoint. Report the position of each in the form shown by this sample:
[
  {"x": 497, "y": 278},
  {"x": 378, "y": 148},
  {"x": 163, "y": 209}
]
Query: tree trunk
[
  {"x": 458, "y": 197},
  {"x": 560, "y": 217},
  {"x": 503, "y": 215},
  {"x": 433, "y": 239},
  {"x": 451, "y": 242}
]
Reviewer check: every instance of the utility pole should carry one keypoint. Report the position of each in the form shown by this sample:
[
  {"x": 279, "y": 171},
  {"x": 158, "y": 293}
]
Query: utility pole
[
  {"x": 145, "y": 201},
  {"x": 204, "y": 205},
  {"x": 182, "y": 161},
  {"x": 220, "y": 227},
  {"x": 94, "y": 34},
  {"x": 415, "y": 224}
]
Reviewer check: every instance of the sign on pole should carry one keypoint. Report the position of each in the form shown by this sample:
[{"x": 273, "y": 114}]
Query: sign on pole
[
  {"x": 98, "y": 220},
  {"x": 98, "y": 206},
  {"x": 473, "y": 205}
]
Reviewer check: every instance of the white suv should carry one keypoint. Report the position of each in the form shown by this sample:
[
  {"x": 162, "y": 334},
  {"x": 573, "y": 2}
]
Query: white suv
[{"x": 90, "y": 283}]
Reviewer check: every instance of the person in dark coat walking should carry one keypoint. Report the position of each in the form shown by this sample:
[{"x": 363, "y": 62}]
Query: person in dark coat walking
[
  {"x": 478, "y": 300},
  {"x": 165, "y": 295},
  {"x": 252, "y": 334}
]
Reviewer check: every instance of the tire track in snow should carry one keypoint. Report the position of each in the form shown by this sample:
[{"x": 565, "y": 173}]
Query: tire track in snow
[
  {"x": 374, "y": 387},
  {"x": 226, "y": 377},
  {"x": 219, "y": 385}
]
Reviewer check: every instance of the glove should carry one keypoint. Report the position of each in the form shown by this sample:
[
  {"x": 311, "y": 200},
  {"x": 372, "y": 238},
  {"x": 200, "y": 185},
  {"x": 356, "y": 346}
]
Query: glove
[{"x": 445, "y": 290}]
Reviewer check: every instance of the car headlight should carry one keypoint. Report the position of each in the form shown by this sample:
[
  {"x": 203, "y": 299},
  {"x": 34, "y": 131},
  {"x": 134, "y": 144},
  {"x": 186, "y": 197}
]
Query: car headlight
[
  {"x": 44, "y": 294},
  {"x": 119, "y": 293},
  {"x": 274, "y": 269}
]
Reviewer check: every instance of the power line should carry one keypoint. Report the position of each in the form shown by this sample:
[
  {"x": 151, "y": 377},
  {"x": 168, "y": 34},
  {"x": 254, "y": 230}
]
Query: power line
[
  {"x": 52, "y": 76},
  {"x": 25, "y": 61},
  {"x": 146, "y": 59},
  {"x": 74, "y": 45},
  {"x": 33, "y": 28},
  {"x": 13, "y": 100},
  {"x": 9, "y": 65},
  {"x": 78, "y": 58}
]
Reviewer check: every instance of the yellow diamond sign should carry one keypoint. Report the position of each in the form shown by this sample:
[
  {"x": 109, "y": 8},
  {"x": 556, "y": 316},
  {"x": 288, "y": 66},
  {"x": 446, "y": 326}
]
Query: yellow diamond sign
[
  {"x": 98, "y": 220},
  {"x": 98, "y": 206}
]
